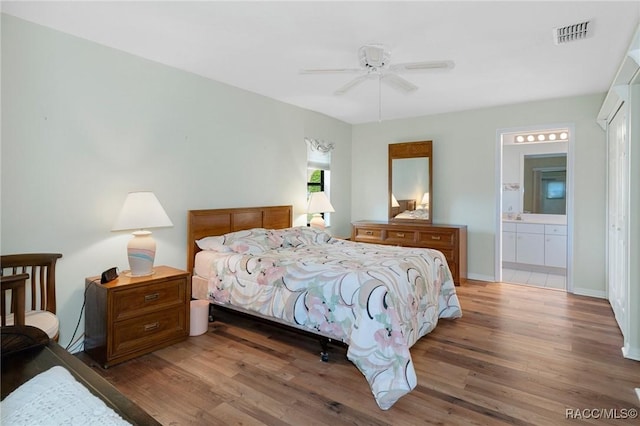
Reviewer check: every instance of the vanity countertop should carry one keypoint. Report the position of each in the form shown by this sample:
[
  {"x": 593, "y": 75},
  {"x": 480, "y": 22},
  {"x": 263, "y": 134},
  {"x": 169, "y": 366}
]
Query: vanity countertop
[{"x": 549, "y": 219}]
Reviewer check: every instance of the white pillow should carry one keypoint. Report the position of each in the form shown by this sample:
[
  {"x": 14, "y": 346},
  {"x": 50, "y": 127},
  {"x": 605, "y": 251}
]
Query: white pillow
[
  {"x": 213, "y": 244},
  {"x": 250, "y": 241}
]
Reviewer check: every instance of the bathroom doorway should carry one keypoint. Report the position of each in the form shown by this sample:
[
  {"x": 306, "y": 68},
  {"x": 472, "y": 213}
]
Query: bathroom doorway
[{"x": 535, "y": 199}]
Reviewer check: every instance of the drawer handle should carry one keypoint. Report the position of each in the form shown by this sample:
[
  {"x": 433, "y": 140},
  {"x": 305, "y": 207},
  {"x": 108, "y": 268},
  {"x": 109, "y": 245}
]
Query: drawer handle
[
  {"x": 368, "y": 232},
  {"x": 152, "y": 326},
  {"x": 400, "y": 234},
  {"x": 435, "y": 237},
  {"x": 150, "y": 297}
]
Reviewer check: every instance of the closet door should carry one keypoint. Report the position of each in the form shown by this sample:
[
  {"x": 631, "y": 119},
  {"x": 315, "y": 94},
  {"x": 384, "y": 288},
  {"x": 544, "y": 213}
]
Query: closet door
[{"x": 617, "y": 217}]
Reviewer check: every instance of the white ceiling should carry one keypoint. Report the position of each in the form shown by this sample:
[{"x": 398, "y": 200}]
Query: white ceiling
[{"x": 504, "y": 51}]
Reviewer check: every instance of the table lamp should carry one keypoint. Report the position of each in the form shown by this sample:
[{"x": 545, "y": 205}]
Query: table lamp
[
  {"x": 424, "y": 204},
  {"x": 141, "y": 211},
  {"x": 318, "y": 203}
]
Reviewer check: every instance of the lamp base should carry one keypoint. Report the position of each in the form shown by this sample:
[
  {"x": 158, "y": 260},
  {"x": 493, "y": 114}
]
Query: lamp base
[
  {"x": 130, "y": 275},
  {"x": 141, "y": 252},
  {"x": 317, "y": 221}
]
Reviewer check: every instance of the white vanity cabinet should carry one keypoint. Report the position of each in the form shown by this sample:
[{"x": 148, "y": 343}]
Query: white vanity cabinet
[
  {"x": 530, "y": 243},
  {"x": 555, "y": 246},
  {"x": 534, "y": 244},
  {"x": 508, "y": 242}
]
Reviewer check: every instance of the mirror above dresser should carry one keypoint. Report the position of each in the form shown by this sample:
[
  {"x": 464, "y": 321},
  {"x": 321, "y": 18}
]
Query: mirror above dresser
[{"x": 411, "y": 182}]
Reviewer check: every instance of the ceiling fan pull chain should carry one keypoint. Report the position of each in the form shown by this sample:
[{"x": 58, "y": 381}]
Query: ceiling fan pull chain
[{"x": 379, "y": 97}]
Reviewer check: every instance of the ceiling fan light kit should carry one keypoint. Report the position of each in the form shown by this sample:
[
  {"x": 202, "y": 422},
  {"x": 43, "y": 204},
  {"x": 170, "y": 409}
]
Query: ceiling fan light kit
[{"x": 373, "y": 56}]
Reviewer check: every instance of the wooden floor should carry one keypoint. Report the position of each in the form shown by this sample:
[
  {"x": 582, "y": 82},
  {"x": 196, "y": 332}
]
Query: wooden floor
[{"x": 519, "y": 356}]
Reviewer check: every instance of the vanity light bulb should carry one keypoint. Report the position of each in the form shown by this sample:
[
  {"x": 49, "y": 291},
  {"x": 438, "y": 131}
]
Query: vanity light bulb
[
  {"x": 552, "y": 137},
  {"x": 563, "y": 135},
  {"x": 530, "y": 138},
  {"x": 520, "y": 139},
  {"x": 541, "y": 137}
]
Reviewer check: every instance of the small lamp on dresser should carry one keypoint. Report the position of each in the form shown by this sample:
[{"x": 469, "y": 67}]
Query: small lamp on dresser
[
  {"x": 319, "y": 203},
  {"x": 394, "y": 201},
  {"x": 141, "y": 211},
  {"x": 424, "y": 203}
]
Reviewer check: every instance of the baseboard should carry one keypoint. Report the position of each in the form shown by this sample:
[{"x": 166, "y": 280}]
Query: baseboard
[
  {"x": 534, "y": 268},
  {"x": 480, "y": 277},
  {"x": 601, "y": 294},
  {"x": 631, "y": 353}
]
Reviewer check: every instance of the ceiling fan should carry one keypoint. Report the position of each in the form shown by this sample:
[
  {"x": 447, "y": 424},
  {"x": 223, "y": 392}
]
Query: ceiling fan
[{"x": 374, "y": 64}]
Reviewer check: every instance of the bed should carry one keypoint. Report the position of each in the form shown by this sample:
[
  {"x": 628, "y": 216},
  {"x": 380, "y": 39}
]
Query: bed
[{"x": 378, "y": 300}]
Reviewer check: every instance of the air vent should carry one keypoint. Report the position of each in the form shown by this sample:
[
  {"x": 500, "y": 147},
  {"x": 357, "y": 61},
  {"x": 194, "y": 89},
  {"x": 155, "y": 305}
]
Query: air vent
[{"x": 575, "y": 32}]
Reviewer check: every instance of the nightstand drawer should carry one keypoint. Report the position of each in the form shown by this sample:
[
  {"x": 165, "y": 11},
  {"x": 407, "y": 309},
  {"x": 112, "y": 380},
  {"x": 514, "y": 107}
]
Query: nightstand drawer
[
  {"x": 149, "y": 330},
  {"x": 437, "y": 238},
  {"x": 137, "y": 300},
  {"x": 399, "y": 236},
  {"x": 368, "y": 234}
]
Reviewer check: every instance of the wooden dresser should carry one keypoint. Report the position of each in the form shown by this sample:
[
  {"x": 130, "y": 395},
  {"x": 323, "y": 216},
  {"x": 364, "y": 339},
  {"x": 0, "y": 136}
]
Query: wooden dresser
[
  {"x": 451, "y": 240},
  {"x": 131, "y": 316}
]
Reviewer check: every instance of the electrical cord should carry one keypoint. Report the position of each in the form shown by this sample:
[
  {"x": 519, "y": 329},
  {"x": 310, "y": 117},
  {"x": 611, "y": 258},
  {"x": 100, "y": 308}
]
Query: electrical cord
[{"x": 84, "y": 301}]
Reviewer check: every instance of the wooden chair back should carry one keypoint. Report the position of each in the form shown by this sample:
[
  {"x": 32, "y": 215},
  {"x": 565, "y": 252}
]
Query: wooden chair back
[
  {"x": 41, "y": 284},
  {"x": 15, "y": 286}
]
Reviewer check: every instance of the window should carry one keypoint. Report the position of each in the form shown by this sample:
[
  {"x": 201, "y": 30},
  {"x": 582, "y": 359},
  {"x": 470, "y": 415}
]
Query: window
[{"x": 315, "y": 181}]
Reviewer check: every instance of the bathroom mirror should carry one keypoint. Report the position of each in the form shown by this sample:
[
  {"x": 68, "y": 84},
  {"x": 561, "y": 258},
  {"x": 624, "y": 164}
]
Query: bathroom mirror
[
  {"x": 411, "y": 182},
  {"x": 545, "y": 183}
]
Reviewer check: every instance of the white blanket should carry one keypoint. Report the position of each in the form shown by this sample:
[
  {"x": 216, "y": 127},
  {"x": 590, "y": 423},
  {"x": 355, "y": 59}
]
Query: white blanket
[{"x": 55, "y": 397}]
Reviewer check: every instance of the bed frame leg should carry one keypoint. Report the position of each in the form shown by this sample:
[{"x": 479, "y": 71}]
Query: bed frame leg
[
  {"x": 210, "y": 312},
  {"x": 324, "y": 354}
]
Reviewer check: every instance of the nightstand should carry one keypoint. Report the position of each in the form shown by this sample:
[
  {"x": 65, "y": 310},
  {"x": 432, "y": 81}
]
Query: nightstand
[{"x": 132, "y": 316}]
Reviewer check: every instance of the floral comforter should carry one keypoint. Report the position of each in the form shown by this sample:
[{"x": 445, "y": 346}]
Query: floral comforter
[{"x": 377, "y": 299}]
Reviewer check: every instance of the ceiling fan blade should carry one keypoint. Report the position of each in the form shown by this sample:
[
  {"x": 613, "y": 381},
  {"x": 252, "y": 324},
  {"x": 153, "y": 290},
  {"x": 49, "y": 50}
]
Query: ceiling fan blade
[
  {"x": 330, "y": 70},
  {"x": 422, "y": 66},
  {"x": 399, "y": 83},
  {"x": 350, "y": 85}
]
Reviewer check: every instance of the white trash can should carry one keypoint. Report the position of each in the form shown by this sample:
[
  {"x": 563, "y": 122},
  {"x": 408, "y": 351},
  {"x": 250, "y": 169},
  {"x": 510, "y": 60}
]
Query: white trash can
[{"x": 199, "y": 322}]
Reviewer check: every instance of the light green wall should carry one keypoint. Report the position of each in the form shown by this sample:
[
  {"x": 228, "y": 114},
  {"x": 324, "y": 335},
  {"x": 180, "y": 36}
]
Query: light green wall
[
  {"x": 83, "y": 124},
  {"x": 465, "y": 185}
]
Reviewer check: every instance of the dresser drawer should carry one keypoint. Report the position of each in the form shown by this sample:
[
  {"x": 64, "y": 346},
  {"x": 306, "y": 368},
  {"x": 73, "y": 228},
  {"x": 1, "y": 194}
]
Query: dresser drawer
[
  {"x": 399, "y": 236},
  {"x": 453, "y": 267},
  {"x": 437, "y": 238},
  {"x": 369, "y": 234},
  {"x": 449, "y": 254},
  {"x": 135, "y": 334},
  {"x": 137, "y": 300},
  {"x": 451, "y": 240}
]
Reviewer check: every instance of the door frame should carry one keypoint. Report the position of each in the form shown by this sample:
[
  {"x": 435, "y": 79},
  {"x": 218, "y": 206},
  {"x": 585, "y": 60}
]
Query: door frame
[{"x": 500, "y": 133}]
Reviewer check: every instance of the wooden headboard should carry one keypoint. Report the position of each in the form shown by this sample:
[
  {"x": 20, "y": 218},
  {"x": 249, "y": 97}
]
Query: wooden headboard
[
  {"x": 206, "y": 223},
  {"x": 404, "y": 206}
]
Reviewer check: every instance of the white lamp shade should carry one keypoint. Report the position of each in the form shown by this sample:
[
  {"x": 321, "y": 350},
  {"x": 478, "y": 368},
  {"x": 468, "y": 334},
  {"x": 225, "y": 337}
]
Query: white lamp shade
[
  {"x": 425, "y": 198},
  {"x": 319, "y": 203},
  {"x": 394, "y": 201},
  {"x": 141, "y": 210}
]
